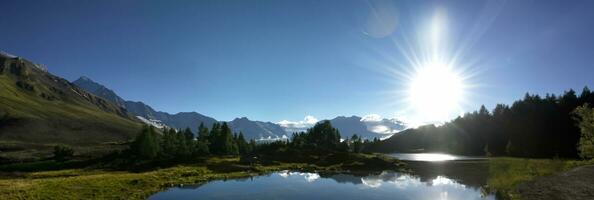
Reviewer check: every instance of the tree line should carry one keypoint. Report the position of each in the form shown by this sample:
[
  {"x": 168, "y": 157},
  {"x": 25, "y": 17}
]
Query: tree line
[
  {"x": 322, "y": 138},
  {"x": 175, "y": 144},
  {"x": 532, "y": 127},
  {"x": 219, "y": 140}
]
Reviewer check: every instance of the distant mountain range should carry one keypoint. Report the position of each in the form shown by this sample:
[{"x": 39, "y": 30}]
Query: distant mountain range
[
  {"x": 250, "y": 129},
  {"x": 365, "y": 127}
]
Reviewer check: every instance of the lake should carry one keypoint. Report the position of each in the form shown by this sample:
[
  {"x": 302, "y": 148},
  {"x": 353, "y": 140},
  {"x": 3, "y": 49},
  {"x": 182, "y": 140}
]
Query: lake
[{"x": 431, "y": 180}]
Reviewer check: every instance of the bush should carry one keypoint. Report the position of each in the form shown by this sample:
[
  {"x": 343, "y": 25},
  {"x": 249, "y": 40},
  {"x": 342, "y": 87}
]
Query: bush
[
  {"x": 584, "y": 115},
  {"x": 63, "y": 153}
]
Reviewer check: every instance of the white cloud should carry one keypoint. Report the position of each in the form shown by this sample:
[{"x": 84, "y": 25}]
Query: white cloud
[
  {"x": 377, "y": 124},
  {"x": 380, "y": 129},
  {"x": 295, "y": 126}
]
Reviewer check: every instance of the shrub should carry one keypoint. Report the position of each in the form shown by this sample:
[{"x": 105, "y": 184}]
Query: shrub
[
  {"x": 584, "y": 115},
  {"x": 63, "y": 153}
]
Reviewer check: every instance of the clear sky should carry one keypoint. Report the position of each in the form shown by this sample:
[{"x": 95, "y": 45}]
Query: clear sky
[{"x": 282, "y": 60}]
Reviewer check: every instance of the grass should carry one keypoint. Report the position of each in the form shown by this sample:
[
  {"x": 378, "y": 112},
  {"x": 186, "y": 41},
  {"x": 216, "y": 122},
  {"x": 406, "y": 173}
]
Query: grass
[
  {"x": 93, "y": 183},
  {"x": 505, "y": 173}
]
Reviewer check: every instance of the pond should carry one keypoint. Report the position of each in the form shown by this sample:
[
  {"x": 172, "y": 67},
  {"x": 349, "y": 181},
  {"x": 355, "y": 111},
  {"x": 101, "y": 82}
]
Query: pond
[{"x": 301, "y": 185}]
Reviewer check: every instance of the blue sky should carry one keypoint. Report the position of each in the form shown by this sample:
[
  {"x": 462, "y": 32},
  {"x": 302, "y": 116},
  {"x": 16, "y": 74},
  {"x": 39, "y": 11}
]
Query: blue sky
[{"x": 276, "y": 60}]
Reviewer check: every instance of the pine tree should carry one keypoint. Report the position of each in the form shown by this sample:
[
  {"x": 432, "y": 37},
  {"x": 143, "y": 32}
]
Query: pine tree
[
  {"x": 357, "y": 144},
  {"x": 223, "y": 143},
  {"x": 146, "y": 145},
  {"x": 242, "y": 144},
  {"x": 202, "y": 132}
]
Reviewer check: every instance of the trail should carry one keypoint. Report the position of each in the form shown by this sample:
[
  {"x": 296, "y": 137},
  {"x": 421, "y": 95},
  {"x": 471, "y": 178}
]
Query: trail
[{"x": 575, "y": 184}]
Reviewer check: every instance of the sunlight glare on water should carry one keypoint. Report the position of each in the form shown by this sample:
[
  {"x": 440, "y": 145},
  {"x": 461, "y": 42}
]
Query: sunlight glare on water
[{"x": 434, "y": 157}]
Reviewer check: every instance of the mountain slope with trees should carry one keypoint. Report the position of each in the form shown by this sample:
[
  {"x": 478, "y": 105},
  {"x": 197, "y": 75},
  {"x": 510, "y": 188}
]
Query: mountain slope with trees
[{"x": 532, "y": 127}]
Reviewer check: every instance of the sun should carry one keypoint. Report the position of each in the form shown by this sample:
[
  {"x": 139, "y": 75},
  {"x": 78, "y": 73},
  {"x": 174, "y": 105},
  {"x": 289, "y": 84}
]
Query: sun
[
  {"x": 435, "y": 91},
  {"x": 434, "y": 80}
]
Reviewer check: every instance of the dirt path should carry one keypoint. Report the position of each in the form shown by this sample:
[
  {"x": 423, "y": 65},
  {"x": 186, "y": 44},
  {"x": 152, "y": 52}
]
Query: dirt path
[{"x": 575, "y": 184}]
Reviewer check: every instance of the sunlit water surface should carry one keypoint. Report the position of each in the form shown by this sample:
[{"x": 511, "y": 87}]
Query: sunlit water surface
[
  {"x": 297, "y": 185},
  {"x": 432, "y": 157}
]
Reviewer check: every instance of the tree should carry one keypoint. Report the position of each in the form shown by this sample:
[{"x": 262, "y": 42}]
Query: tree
[
  {"x": 242, "y": 144},
  {"x": 222, "y": 142},
  {"x": 487, "y": 152},
  {"x": 63, "y": 152},
  {"x": 357, "y": 143},
  {"x": 509, "y": 149},
  {"x": 202, "y": 132},
  {"x": 188, "y": 134},
  {"x": 584, "y": 115},
  {"x": 146, "y": 145},
  {"x": 200, "y": 148},
  {"x": 323, "y": 135}
]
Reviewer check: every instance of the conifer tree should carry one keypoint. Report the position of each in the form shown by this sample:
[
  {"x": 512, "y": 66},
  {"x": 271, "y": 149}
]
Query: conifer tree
[{"x": 146, "y": 145}]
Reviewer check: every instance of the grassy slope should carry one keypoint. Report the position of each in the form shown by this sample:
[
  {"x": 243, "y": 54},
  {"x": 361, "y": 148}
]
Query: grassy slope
[
  {"x": 505, "y": 174},
  {"x": 57, "y": 120},
  {"x": 36, "y": 124},
  {"x": 103, "y": 184}
]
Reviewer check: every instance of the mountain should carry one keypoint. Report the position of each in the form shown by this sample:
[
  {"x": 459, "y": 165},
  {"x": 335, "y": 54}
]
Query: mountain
[
  {"x": 257, "y": 129},
  {"x": 144, "y": 112},
  {"x": 39, "y": 110},
  {"x": 186, "y": 119},
  {"x": 352, "y": 125},
  {"x": 180, "y": 120},
  {"x": 384, "y": 127},
  {"x": 364, "y": 127},
  {"x": 99, "y": 90}
]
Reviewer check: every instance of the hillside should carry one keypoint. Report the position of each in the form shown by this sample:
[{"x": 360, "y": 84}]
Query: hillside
[{"x": 39, "y": 110}]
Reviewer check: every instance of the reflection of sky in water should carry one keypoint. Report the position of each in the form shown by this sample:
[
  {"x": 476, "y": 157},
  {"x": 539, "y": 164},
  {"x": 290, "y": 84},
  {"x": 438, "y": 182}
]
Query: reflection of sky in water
[
  {"x": 298, "y": 185},
  {"x": 309, "y": 177}
]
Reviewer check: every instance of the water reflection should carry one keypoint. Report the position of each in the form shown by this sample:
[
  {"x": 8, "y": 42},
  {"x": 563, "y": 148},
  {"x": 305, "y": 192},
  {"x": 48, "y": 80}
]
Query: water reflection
[
  {"x": 432, "y": 157},
  {"x": 303, "y": 185},
  {"x": 309, "y": 177}
]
